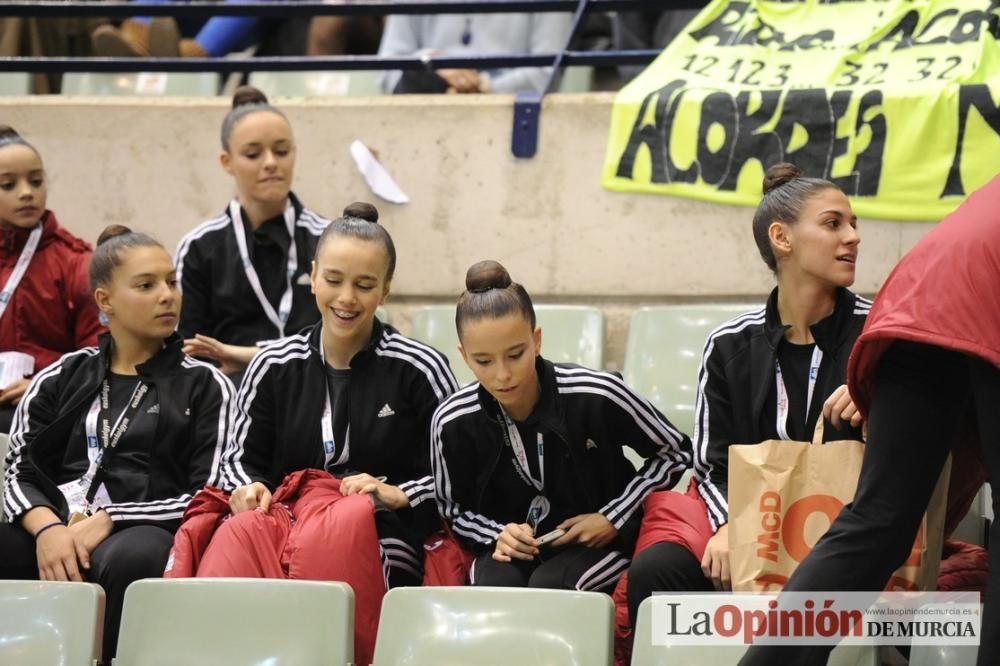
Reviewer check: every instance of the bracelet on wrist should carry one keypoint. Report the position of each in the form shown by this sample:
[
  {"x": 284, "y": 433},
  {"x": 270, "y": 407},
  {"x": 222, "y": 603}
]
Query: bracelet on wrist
[{"x": 45, "y": 527}]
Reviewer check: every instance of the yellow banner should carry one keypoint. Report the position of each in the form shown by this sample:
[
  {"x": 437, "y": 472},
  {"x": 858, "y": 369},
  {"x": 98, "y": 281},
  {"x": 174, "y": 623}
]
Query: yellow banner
[{"x": 896, "y": 101}]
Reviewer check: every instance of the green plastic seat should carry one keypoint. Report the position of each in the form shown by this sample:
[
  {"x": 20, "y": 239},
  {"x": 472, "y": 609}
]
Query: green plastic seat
[
  {"x": 144, "y": 84},
  {"x": 50, "y": 623},
  {"x": 236, "y": 622},
  {"x": 435, "y": 325},
  {"x": 944, "y": 655},
  {"x": 663, "y": 354},
  {"x": 483, "y": 626},
  {"x": 644, "y": 653},
  {"x": 577, "y": 79},
  {"x": 572, "y": 334},
  {"x": 14, "y": 84},
  {"x": 317, "y": 84}
]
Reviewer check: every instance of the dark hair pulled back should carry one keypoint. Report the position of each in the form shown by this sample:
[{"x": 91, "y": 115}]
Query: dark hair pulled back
[
  {"x": 360, "y": 220},
  {"x": 786, "y": 192},
  {"x": 115, "y": 239},
  {"x": 490, "y": 292},
  {"x": 246, "y": 100}
]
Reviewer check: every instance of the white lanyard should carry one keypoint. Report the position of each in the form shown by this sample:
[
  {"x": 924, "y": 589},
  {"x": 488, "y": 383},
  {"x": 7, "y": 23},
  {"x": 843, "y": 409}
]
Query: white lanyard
[
  {"x": 782, "y": 410},
  {"x": 20, "y": 268},
  {"x": 517, "y": 444},
  {"x": 326, "y": 424},
  {"x": 110, "y": 434},
  {"x": 279, "y": 318}
]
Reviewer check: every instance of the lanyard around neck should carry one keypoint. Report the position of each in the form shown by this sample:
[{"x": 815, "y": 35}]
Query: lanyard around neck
[
  {"x": 513, "y": 438},
  {"x": 782, "y": 409},
  {"x": 280, "y": 317},
  {"x": 20, "y": 268},
  {"x": 326, "y": 425},
  {"x": 110, "y": 434}
]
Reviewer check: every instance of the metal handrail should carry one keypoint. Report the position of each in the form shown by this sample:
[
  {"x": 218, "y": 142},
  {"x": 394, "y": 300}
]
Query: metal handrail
[
  {"x": 276, "y": 8},
  {"x": 322, "y": 63}
]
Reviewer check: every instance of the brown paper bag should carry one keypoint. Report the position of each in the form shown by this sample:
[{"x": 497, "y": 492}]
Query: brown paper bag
[{"x": 784, "y": 495}]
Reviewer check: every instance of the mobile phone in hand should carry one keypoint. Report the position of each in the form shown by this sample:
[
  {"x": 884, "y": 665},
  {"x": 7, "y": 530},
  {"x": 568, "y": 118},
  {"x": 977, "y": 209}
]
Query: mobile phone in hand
[{"x": 550, "y": 536}]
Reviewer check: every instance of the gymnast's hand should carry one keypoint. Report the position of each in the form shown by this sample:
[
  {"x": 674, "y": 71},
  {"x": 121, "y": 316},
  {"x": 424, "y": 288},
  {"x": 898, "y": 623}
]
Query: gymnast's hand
[
  {"x": 253, "y": 496},
  {"x": 231, "y": 358},
  {"x": 391, "y": 496},
  {"x": 840, "y": 408}
]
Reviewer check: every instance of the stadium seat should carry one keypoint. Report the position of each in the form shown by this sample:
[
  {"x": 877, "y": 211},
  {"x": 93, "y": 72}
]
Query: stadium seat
[
  {"x": 144, "y": 84},
  {"x": 435, "y": 325},
  {"x": 50, "y": 623},
  {"x": 973, "y": 527},
  {"x": 317, "y": 84},
  {"x": 577, "y": 79},
  {"x": 664, "y": 350},
  {"x": 236, "y": 622},
  {"x": 459, "y": 626},
  {"x": 572, "y": 334},
  {"x": 644, "y": 653},
  {"x": 943, "y": 655},
  {"x": 13, "y": 84}
]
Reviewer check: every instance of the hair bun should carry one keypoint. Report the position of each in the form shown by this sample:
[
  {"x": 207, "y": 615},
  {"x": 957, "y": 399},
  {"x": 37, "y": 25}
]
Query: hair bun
[
  {"x": 362, "y": 210},
  {"x": 112, "y": 231},
  {"x": 486, "y": 275},
  {"x": 779, "y": 174},
  {"x": 248, "y": 95}
]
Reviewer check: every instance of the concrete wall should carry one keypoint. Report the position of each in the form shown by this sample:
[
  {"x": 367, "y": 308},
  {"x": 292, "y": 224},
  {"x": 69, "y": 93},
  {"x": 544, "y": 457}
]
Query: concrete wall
[{"x": 153, "y": 164}]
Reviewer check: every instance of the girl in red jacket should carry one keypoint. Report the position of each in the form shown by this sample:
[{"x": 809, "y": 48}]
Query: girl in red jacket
[
  {"x": 46, "y": 308},
  {"x": 926, "y": 364}
]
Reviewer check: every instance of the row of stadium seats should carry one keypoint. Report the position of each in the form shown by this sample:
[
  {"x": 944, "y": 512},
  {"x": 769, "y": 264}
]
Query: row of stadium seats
[
  {"x": 249, "y": 622},
  {"x": 208, "y": 84}
]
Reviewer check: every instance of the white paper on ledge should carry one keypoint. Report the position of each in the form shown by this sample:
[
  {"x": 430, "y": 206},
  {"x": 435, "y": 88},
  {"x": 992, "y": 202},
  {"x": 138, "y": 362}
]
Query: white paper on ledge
[
  {"x": 13, "y": 366},
  {"x": 376, "y": 176}
]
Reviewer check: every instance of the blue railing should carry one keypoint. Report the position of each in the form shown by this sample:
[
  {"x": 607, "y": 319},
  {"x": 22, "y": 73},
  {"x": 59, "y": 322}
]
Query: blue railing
[{"x": 527, "y": 106}]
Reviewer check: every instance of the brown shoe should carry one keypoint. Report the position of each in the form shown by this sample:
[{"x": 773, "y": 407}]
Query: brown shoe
[
  {"x": 164, "y": 37},
  {"x": 131, "y": 40},
  {"x": 192, "y": 49}
]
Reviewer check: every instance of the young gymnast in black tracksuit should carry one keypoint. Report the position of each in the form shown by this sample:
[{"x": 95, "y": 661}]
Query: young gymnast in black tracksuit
[
  {"x": 535, "y": 447},
  {"x": 349, "y": 395},
  {"x": 113, "y": 439},
  {"x": 245, "y": 274}
]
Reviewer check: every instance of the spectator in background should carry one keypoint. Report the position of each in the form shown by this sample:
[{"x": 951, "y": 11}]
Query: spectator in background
[
  {"x": 162, "y": 37},
  {"x": 472, "y": 34},
  {"x": 344, "y": 35},
  {"x": 647, "y": 30},
  {"x": 46, "y": 306}
]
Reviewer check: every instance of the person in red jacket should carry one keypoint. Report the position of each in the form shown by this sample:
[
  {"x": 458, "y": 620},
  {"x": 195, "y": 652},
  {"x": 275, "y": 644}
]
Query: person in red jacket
[
  {"x": 925, "y": 365},
  {"x": 46, "y": 307}
]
